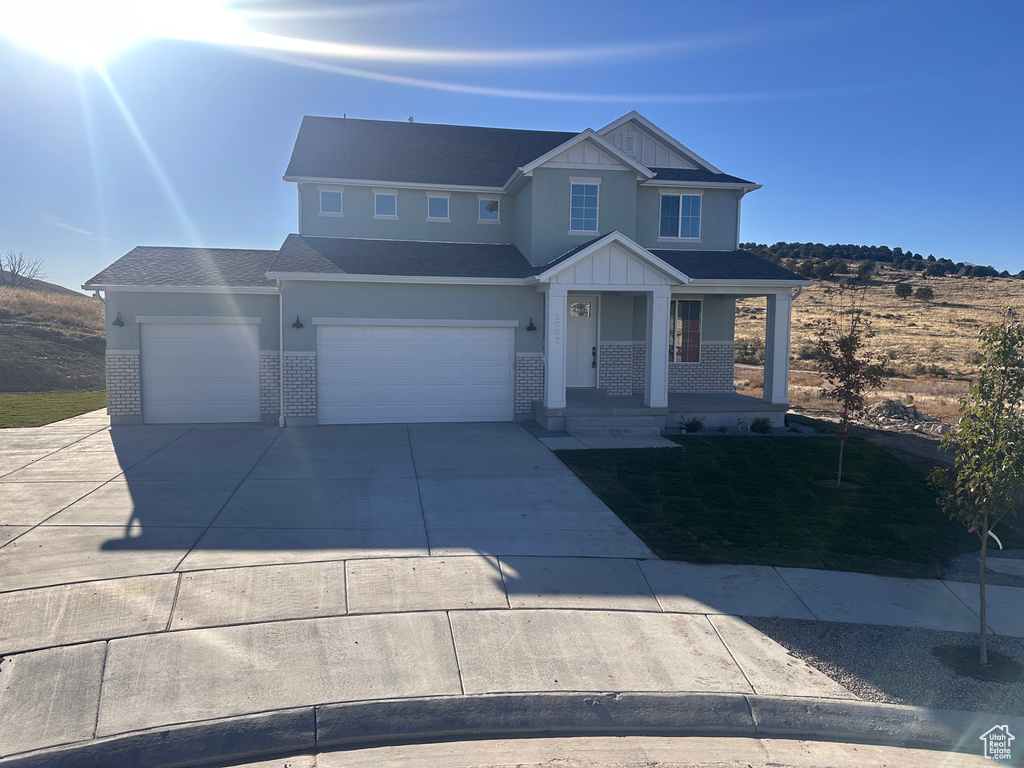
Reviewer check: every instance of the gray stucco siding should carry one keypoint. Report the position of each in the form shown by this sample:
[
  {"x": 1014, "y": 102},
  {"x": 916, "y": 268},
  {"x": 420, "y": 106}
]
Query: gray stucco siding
[
  {"x": 133, "y": 304},
  {"x": 616, "y": 317},
  {"x": 522, "y": 226},
  {"x": 717, "y": 220},
  {"x": 358, "y": 221},
  {"x": 426, "y": 301},
  {"x": 551, "y": 190}
]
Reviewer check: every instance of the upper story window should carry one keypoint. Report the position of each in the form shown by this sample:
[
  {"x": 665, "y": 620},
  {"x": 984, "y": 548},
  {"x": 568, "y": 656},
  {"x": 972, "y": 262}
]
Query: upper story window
[
  {"x": 680, "y": 216},
  {"x": 490, "y": 210},
  {"x": 583, "y": 195},
  {"x": 437, "y": 207},
  {"x": 330, "y": 202},
  {"x": 684, "y": 332},
  {"x": 385, "y": 205}
]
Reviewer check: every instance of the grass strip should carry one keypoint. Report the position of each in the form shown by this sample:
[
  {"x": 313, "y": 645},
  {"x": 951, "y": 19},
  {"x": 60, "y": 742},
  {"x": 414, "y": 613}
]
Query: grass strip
[{"x": 35, "y": 410}]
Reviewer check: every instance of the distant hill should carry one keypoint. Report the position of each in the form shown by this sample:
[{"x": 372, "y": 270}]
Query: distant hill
[
  {"x": 41, "y": 285},
  {"x": 51, "y": 340}
]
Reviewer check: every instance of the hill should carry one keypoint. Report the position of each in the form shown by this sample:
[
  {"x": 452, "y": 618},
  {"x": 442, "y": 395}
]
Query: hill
[{"x": 51, "y": 340}]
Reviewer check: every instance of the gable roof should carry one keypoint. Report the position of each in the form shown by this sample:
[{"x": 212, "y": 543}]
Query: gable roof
[
  {"x": 207, "y": 267},
  {"x": 419, "y": 153}
]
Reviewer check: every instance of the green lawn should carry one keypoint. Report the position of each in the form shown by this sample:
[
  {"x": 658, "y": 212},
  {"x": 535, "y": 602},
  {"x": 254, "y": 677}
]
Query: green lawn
[
  {"x": 733, "y": 499},
  {"x": 34, "y": 410}
]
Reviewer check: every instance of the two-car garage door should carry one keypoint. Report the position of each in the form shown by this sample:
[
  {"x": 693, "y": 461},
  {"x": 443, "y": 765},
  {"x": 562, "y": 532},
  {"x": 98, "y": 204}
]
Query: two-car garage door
[{"x": 399, "y": 373}]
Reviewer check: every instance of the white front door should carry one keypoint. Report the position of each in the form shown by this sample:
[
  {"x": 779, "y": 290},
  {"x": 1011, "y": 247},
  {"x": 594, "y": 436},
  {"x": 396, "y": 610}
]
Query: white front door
[{"x": 581, "y": 342}]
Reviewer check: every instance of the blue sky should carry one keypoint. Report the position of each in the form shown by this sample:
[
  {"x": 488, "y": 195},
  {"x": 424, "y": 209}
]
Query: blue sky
[{"x": 889, "y": 123}]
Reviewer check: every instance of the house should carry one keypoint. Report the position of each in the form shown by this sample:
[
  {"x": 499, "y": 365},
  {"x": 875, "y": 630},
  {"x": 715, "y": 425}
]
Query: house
[{"x": 457, "y": 273}]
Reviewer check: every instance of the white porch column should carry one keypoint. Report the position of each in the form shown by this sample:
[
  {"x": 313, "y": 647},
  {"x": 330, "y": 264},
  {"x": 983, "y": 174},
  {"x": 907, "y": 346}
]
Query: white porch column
[
  {"x": 555, "y": 308},
  {"x": 776, "y": 347},
  {"x": 656, "y": 383}
]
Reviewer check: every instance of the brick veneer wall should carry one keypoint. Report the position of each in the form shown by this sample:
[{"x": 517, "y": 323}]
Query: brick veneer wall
[
  {"x": 529, "y": 380},
  {"x": 616, "y": 367},
  {"x": 714, "y": 372},
  {"x": 270, "y": 382},
  {"x": 124, "y": 386},
  {"x": 299, "y": 383}
]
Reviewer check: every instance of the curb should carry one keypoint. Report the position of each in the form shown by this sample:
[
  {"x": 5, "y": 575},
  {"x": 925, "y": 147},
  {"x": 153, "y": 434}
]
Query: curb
[{"x": 452, "y": 718}]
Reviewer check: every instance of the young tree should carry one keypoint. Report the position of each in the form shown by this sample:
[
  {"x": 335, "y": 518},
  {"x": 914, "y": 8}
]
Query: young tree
[
  {"x": 18, "y": 270},
  {"x": 849, "y": 371},
  {"x": 986, "y": 482},
  {"x": 903, "y": 290}
]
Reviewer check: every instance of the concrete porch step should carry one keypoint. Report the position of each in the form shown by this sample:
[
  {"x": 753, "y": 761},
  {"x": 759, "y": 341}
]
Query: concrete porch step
[{"x": 612, "y": 426}]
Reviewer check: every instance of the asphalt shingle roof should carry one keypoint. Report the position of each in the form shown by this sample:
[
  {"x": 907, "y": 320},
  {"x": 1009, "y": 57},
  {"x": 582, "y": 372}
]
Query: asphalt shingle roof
[
  {"x": 152, "y": 265},
  {"x": 724, "y": 265},
  {"x": 350, "y": 256},
  {"x": 685, "y": 174},
  {"x": 421, "y": 153}
]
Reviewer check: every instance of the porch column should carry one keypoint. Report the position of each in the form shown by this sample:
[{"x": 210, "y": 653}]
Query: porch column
[
  {"x": 656, "y": 383},
  {"x": 555, "y": 307},
  {"x": 776, "y": 348}
]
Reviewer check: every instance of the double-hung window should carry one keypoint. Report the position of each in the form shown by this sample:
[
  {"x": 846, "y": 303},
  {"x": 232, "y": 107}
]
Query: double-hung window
[
  {"x": 680, "y": 216},
  {"x": 684, "y": 332},
  {"x": 385, "y": 205},
  {"x": 583, "y": 194},
  {"x": 330, "y": 202}
]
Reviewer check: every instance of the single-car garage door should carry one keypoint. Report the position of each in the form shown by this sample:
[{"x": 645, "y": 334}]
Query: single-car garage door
[
  {"x": 199, "y": 372},
  {"x": 395, "y": 373}
]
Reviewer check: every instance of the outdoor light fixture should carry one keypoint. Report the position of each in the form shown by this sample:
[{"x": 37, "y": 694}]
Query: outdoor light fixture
[
  {"x": 118, "y": 321},
  {"x": 531, "y": 326},
  {"x": 297, "y": 323}
]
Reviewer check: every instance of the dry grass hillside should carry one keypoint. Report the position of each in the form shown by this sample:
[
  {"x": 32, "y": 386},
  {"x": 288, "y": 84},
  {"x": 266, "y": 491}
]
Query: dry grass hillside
[
  {"x": 50, "y": 341},
  {"x": 931, "y": 347}
]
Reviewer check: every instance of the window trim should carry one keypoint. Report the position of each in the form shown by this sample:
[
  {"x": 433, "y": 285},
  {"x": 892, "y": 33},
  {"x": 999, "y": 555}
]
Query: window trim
[
  {"x": 671, "y": 331},
  {"x": 590, "y": 182},
  {"x": 480, "y": 199},
  {"x": 384, "y": 193},
  {"x": 700, "y": 219},
  {"x": 320, "y": 200},
  {"x": 448, "y": 206}
]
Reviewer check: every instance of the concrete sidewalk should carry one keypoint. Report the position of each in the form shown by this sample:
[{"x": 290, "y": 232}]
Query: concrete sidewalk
[{"x": 469, "y": 589}]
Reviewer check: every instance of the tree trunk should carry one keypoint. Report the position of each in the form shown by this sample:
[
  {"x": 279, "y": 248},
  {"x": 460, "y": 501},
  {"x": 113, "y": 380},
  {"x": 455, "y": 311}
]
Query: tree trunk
[
  {"x": 981, "y": 588},
  {"x": 839, "y": 474}
]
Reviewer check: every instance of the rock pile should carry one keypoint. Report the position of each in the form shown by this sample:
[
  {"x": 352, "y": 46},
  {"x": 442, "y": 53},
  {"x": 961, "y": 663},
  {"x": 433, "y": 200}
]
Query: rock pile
[{"x": 893, "y": 413}]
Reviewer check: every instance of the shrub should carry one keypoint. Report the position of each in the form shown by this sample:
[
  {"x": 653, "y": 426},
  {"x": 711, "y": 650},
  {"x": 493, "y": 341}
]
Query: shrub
[
  {"x": 924, "y": 293},
  {"x": 762, "y": 425},
  {"x": 692, "y": 424},
  {"x": 903, "y": 290},
  {"x": 749, "y": 351}
]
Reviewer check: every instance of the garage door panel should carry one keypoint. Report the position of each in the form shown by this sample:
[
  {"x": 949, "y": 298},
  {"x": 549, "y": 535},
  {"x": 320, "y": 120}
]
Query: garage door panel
[{"x": 414, "y": 373}]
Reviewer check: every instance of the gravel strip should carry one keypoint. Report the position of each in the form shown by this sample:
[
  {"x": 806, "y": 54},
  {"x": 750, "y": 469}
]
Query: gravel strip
[
  {"x": 894, "y": 665},
  {"x": 965, "y": 568}
]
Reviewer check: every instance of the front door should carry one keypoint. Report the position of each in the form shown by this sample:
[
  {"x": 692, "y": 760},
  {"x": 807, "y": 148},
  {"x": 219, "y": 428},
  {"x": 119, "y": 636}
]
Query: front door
[{"x": 581, "y": 342}]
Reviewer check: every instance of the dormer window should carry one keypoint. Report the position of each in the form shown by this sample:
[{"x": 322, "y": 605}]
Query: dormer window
[
  {"x": 330, "y": 202},
  {"x": 680, "y": 217},
  {"x": 385, "y": 205},
  {"x": 490, "y": 210}
]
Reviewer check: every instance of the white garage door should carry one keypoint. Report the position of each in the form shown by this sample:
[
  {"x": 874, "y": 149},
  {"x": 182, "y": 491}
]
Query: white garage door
[
  {"x": 375, "y": 374},
  {"x": 200, "y": 373}
]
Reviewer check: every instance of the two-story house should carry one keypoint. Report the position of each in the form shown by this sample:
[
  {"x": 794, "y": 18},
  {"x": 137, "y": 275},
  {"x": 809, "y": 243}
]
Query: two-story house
[{"x": 456, "y": 273}]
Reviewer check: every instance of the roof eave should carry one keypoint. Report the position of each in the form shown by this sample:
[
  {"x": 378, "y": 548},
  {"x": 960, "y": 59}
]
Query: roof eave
[
  {"x": 366, "y": 278},
  {"x": 145, "y": 288}
]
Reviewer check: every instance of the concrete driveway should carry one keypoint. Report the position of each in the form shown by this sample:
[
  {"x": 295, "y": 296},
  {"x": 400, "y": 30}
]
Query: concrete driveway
[{"x": 82, "y": 501}]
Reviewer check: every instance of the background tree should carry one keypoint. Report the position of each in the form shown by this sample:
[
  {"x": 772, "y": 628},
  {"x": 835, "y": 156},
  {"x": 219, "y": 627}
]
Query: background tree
[
  {"x": 924, "y": 293},
  {"x": 903, "y": 290},
  {"x": 18, "y": 270},
  {"x": 986, "y": 482},
  {"x": 865, "y": 269},
  {"x": 849, "y": 371}
]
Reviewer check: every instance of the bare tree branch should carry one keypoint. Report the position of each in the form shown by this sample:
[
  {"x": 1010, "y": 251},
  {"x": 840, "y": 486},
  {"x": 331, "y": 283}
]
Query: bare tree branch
[{"x": 18, "y": 270}]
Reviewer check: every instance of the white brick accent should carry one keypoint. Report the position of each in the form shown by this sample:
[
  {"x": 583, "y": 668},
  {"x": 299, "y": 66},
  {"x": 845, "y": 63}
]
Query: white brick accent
[
  {"x": 124, "y": 388},
  {"x": 616, "y": 367},
  {"x": 714, "y": 372},
  {"x": 529, "y": 380},
  {"x": 270, "y": 382},
  {"x": 299, "y": 384}
]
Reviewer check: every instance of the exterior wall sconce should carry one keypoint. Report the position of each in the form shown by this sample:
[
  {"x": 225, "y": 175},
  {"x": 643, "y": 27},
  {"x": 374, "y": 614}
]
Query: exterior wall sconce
[
  {"x": 531, "y": 326},
  {"x": 118, "y": 321},
  {"x": 297, "y": 323}
]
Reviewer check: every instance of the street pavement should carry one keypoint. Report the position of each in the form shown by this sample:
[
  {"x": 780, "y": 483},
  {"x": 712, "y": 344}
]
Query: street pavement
[{"x": 182, "y": 594}]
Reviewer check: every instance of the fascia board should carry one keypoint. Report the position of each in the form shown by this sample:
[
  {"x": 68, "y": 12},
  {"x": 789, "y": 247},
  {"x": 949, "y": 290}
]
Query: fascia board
[
  {"x": 331, "y": 278},
  {"x": 750, "y": 286},
  {"x": 247, "y": 289},
  {"x": 590, "y": 134},
  {"x": 702, "y": 185},
  {"x": 635, "y": 248},
  {"x": 393, "y": 184},
  {"x": 652, "y": 128}
]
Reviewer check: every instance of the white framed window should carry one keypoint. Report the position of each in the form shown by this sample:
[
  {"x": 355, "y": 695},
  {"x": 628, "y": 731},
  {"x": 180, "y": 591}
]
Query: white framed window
[
  {"x": 583, "y": 203},
  {"x": 490, "y": 210},
  {"x": 385, "y": 205},
  {"x": 331, "y": 201},
  {"x": 437, "y": 207},
  {"x": 684, "y": 331},
  {"x": 680, "y": 217}
]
